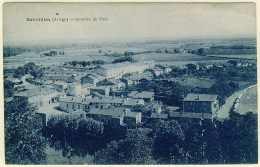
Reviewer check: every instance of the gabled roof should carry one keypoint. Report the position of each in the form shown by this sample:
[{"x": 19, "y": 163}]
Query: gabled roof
[
  {"x": 116, "y": 112},
  {"x": 159, "y": 116},
  {"x": 109, "y": 99},
  {"x": 132, "y": 114},
  {"x": 73, "y": 99},
  {"x": 144, "y": 94},
  {"x": 132, "y": 102},
  {"x": 200, "y": 97},
  {"x": 36, "y": 92},
  {"x": 191, "y": 115}
]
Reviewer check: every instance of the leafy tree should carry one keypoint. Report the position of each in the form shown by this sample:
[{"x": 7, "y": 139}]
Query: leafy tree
[
  {"x": 233, "y": 62},
  {"x": 239, "y": 139},
  {"x": 167, "y": 138},
  {"x": 136, "y": 148},
  {"x": 82, "y": 135},
  {"x": 201, "y": 51},
  {"x": 19, "y": 72},
  {"x": 8, "y": 89},
  {"x": 24, "y": 143},
  {"x": 124, "y": 59},
  {"x": 191, "y": 67},
  {"x": 37, "y": 73}
]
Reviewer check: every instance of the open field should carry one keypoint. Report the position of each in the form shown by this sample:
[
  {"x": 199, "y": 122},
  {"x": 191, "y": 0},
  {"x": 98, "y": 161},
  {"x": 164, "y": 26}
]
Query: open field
[{"x": 252, "y": 56}]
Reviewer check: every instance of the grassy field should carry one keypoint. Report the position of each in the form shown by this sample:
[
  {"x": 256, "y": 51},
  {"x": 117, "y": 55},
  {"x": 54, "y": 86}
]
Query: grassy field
[{"x": 178, "y": 57}]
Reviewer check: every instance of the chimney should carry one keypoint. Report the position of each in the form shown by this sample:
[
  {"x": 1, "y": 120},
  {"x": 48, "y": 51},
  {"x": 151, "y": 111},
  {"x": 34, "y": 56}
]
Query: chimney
[{"x": 197, "y": 98}]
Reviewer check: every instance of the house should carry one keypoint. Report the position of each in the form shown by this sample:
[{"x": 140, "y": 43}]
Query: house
[
  {"x": 60, "y": 86},
  {"x": 115, "y": 117},
  {"x": 205, "y": 66},
  {"x": 92, "y": 79},
  {"x": 132, "y": 118},
  {"x": 145, "y": 95},
  {"x": 116, "y": 70},
  {"x": 103, "y": 102},
  {"x": 112, "y": 83},
  {"x": 157, "y": 71},
  {"x": 135, "y": 78},
  {"x": 130, "y": 102},
  {"x": 71, "y": 103},
  {"x": 201, "y": 103},
  {"x": 165, "y": 68},
  {"x": 38, "y": 97},
  {"x": 154, "y": 107},
  {"x": 104, "y": 90}
]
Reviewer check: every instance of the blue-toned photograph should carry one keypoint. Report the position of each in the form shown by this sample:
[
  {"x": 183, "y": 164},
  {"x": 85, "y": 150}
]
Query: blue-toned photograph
[{"x": 130, "y": 83}]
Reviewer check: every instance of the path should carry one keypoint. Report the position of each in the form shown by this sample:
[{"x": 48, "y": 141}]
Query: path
[{"x": 224, "y": 111}]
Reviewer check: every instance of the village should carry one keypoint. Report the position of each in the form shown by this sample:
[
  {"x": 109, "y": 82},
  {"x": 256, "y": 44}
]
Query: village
[{"x": 102, "y": 92}]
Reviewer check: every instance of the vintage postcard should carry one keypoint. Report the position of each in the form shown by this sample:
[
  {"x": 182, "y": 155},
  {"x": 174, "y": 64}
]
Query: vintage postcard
[{"x": 154, "y": 83}]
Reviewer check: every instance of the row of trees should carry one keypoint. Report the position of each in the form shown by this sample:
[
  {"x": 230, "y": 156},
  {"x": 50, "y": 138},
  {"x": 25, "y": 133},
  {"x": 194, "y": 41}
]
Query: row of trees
[
  {"x": 124, "y": 59},
  {"x": 29, "y": 68},
  {"x": 86, "y": 63},
  {"x": 181, "y": 141},
  {"x": 186, "y": 142}
]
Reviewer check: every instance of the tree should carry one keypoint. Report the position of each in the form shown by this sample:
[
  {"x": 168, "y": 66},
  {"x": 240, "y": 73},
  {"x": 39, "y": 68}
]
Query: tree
[
  {"x": 8, "y": 89},
  {"x": 239, "y": 138},
  {"x": 19, "y": 72},
  {"x": 191, "y": 67},
  {"x": 233, "y": 62},
  {"x": 136, "y": 148},
  {"x": 201, "y": 51},
  {"x": 82, "y": 135},
  {"x": 167, "y": 136},
  {"x": 24, "y": 143},
  {"x": 37, "y": 73}
]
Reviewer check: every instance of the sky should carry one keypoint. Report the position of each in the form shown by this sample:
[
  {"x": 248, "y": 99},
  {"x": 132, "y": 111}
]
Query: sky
[{"x": 128, "y": 20}]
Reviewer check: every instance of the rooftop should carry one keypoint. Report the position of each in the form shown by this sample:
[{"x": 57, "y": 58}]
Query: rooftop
[
  {"x": 116, "y": 112},
  {"x": 159, "y": 116},
  {"x": 191, "y": 115},
  {"x": 132, "y": 102},
  {"x": 109, "y": 99},
  {"x": 144, "y": 94},
  {"x": 132, "y": 114},
  {"x": 36, "y": 92},
  {"x": 200, "y": 97},
  {"x": 73, "y": 99}
]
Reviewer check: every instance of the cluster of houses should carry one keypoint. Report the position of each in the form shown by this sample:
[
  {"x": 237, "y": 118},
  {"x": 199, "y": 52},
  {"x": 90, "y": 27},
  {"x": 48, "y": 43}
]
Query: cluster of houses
[{"x": 93, "y": 94}]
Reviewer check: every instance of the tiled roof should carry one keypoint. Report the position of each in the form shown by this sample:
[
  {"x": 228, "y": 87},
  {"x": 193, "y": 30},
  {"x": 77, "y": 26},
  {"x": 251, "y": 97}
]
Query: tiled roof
[
  {"x": 200, "y": 97},
  {"x": 159, "y": 116},
  {"x": 132, "y": 114},
  {"x": 144, "y": 94},
  {"x": 191, "y": 115},
  {"x": 36, "y": 92},
  {"x": 73, "y": 99},
  {"x": 131, "y": 102},
  {"x": 116, "y": 112},
  {"x": 106, "y": 100}
]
